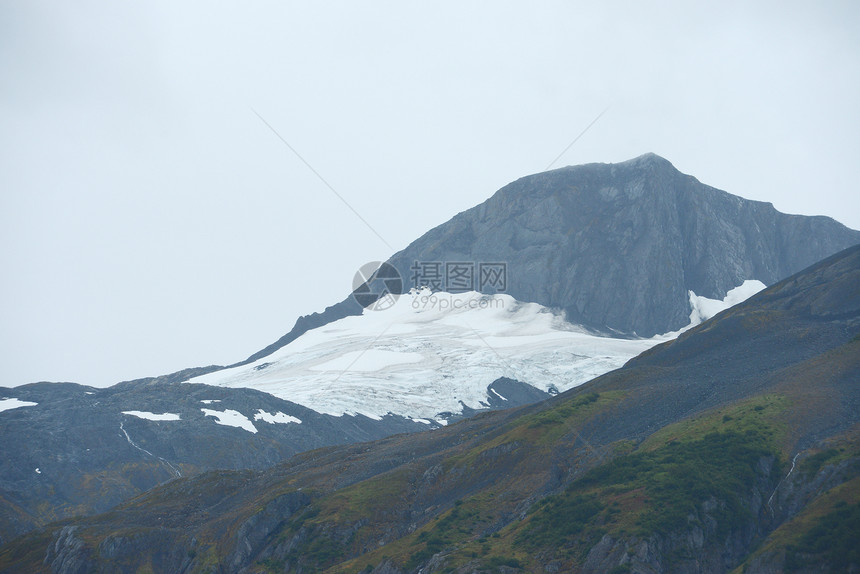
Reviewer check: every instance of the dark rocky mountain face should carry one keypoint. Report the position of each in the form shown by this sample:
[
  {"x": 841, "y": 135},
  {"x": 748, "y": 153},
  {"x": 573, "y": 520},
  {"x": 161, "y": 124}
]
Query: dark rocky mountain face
[
  {"x": 618, "y": 246},
  {"x": 733, "y": 447},
  {"x": 76, "y": 453}
]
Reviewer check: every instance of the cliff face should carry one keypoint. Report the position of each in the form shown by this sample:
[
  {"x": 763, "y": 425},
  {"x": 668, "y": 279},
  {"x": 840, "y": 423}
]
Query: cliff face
[{"x": 618, "y": 246}]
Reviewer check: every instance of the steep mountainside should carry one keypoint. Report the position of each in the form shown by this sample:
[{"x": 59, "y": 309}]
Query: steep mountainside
[
  {"x": 616, "y": 246},
  {"x": 733, "y": 447},
  {"x": 76, "y": 450}
]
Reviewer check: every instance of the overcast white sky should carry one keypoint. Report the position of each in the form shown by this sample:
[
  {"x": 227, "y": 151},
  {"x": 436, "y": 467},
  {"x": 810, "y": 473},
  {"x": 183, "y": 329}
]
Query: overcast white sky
[{"x": 149, "y": 221}]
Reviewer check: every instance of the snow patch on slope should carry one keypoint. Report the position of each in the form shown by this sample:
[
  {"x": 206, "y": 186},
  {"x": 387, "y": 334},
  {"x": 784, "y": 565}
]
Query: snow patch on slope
[
  {"x": 152, "y": 416},
  {"x": 275, "y": 418},
  {"x": 704, "y": 308},
  {"x": 8, "y": 404},
  {"x": 231, "y": 418}
]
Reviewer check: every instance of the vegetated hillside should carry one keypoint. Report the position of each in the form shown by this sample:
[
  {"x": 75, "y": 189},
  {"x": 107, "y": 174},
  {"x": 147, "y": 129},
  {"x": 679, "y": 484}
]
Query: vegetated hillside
[
  {"x": 82, "y": 450},
  {"x": 733, "y": 447},
  {"x": 75, "y": 452}
]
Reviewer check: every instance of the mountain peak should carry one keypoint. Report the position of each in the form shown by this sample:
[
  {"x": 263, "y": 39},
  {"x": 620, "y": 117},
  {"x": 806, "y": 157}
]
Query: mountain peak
[
  {"x": 594, "y": 239},
  {"x": 644, "y": 161},
  {"x": 617, "y": 246},
  {"x": 649, "y": 158}
]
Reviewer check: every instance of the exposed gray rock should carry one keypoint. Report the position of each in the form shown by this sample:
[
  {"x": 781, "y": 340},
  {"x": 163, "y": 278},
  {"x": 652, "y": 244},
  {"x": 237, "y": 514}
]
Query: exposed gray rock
[
  {"x": 68, "y": 554},
  {"x": 506, "y": 393},
  {"x": 75, "y": 452},
  {"x": 618, "y": 246},
  {"x": 257, "y": 530}
]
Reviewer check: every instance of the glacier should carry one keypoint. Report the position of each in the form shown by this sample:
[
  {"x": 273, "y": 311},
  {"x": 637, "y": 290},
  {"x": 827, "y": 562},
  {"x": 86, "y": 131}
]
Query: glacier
[{"x": 436, "y": 353}]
